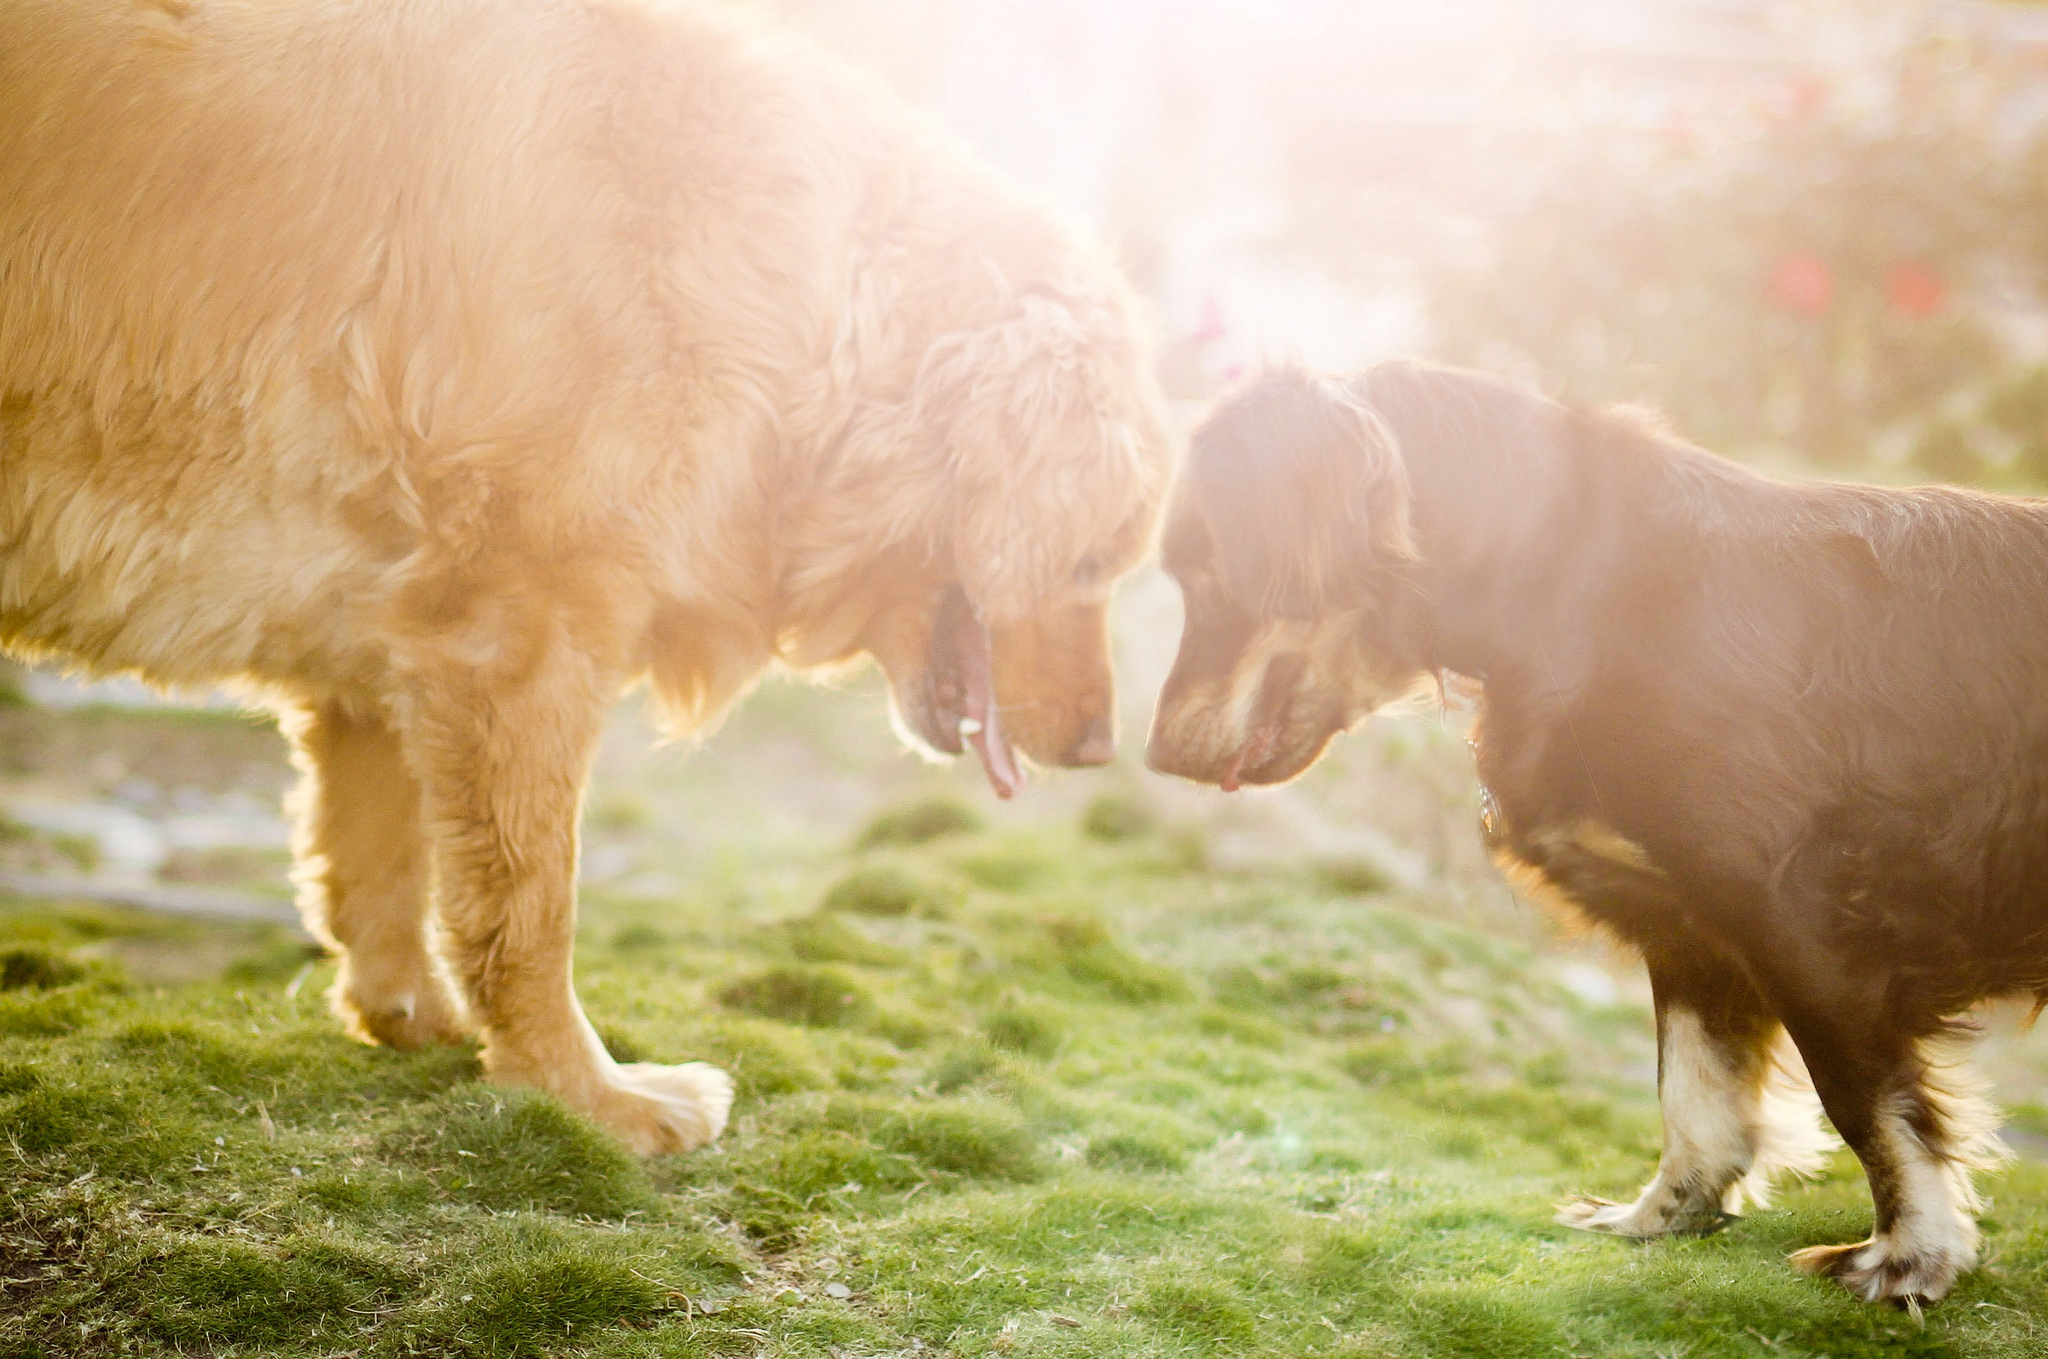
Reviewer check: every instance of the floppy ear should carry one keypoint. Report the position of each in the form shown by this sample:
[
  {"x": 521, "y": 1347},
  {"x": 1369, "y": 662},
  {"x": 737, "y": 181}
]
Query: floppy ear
[
  {"x": 1053, "y": 437},
  {"x": 1304, "y": 492}
]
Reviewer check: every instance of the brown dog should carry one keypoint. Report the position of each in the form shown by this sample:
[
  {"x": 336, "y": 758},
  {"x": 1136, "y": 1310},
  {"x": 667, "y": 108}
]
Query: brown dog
[
  {"x": 434, "y": 370},
  {"x": 1786, "y": 740}
]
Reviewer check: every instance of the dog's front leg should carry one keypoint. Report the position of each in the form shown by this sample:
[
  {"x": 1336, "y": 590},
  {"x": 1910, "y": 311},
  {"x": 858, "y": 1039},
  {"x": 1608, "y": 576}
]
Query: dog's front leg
[
  {"x": 1737, "y": 1110},
  {"x": 503, "y": 748}
]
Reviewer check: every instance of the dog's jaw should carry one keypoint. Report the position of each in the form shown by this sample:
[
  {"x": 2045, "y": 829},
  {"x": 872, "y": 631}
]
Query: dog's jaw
[{"x": 960, "y": 699}]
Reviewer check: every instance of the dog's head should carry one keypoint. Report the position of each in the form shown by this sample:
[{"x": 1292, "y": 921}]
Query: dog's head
[
  {"x": 1289, "y": 537},
  {"x": 997, "y": 503}
]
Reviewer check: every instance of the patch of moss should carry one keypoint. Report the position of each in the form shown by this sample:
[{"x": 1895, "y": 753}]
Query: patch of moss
[
  {"x": 1200, "y": 1314},
  {"x": 820, "y": 997},
  {"x": 974, "y": 1138},
  {"x": 825, "y": 938},
  {"x": 1028, "y": 1029},
  {"x": 1472, "y": 1321},
  {"x": 508, "y": 1148},
  {"x": 1358, "y": 877},
  {"x": 622, "y": 1046},
  {"x": 781, "y": 1182},
  {"x": 1236, "y": 1114},
  {"x": 278, "y": 961},
  {"x": 197, "y": 1053},
  {"x": 893, "y": 888},
  {"x": 639, "y": 938},
  {"x": 962, "y": 1065},
  {"x": 1249, "y": 1029},
  {"x": 1117, "y": 817},
  {"x": 764, "y": 1059},
  {"x": 38, "y": 968},
  {"x": 919, "y": 822},
  {"x": 46, "y": 1014},
  {"x": 1080, "y": 946},
  {"x": 43, "y": 1116},
  {"x": 617, "y": 812},
  {"x": 194, "y": 1289},
  {"x": 1135, "y": 1151},
  {"x": 1007, "y": 868},
  {"x": 1397, "y": 1060},
  {"x": 530, "y": 1293}
]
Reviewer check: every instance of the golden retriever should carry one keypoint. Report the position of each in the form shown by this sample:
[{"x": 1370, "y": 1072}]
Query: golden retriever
[{"x": 436, "y": 368}]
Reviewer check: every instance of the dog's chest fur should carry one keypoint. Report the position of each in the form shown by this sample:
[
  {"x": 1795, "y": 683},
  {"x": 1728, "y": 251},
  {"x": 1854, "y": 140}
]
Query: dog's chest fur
[
  {"x": 1950, "y": 922},
  {"x": 1586, "y": 871}
]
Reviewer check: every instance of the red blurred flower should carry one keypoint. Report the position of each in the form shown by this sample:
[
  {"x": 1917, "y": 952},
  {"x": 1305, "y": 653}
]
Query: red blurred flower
[
  {"x": 1803, "y": 283},
  {"x": 1915, "y": 290}
]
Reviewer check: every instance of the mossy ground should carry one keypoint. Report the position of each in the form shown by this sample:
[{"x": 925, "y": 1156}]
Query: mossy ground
[{"x": 1007, "y": 1086}]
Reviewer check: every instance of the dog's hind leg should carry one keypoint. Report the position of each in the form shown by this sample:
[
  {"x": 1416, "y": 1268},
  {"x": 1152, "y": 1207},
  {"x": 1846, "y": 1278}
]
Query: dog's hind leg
[
  {"x": 1915, "y": 1120},
  {"x": 501, "y": 733},
  {"x": 362, "y": 874},
  {"x": 1737, "y": 1109}
]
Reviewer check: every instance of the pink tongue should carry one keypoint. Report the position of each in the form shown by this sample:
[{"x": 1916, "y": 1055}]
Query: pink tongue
[{"x": 979, "y": 704}]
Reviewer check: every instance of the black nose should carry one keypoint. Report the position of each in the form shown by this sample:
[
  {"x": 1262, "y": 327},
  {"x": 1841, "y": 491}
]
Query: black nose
[{"x": 1097, "y": 744}]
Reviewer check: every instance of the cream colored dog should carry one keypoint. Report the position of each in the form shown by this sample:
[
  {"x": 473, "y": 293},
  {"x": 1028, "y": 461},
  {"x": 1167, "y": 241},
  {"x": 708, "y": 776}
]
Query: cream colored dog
[{"x": 437, "y": 368}]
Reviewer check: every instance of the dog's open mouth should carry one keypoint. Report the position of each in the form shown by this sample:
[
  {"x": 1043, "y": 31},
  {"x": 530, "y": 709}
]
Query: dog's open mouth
[{"x": 963, "y": 694}]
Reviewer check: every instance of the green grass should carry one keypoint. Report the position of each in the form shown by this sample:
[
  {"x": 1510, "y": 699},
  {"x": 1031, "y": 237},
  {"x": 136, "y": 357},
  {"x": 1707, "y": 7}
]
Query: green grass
[{"x": 1006, "y": 1088}]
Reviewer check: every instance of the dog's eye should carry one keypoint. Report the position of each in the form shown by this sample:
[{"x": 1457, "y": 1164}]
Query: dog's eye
[{"x": 1088, "y": 573}]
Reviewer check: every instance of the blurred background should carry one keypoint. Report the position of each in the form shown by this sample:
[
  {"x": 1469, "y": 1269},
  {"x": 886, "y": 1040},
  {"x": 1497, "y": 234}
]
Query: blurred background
[{"x": 1805, "y": 227}]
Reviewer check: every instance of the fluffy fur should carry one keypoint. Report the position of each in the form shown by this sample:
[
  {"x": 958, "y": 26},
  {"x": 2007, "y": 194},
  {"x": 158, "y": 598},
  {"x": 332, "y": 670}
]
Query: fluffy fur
[
  {"x": 1786, "y": 740},
  {"x": 435, "y": 368}
]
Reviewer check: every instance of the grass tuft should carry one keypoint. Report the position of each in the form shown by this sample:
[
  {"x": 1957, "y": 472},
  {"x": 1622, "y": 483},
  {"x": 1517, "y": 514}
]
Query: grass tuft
[
  {"x": 1028, "y": 1029},
  {"x": 1079, "y": 946},
  {"x": 1358, "y": 877},
  {"x": 195, "y": 1289},
  {"x": 973, "y": 1138},
  {"x": 824, "y": 938},
  {"x": 1479, "y": 1322},
  {"x": 534, "y": 1290},
  {"x": 36, "y": 967},
  {"x": 1135, "y": 1151},
  {"x": 1117, "y": 817},
  {"x": 507, "y": 1149},
  {"x": 821, "y": 997},
  {"x": 1200, "y": 1314},
  {"x": 894, "y": 888},
  {"x": 919, "y": 822}
]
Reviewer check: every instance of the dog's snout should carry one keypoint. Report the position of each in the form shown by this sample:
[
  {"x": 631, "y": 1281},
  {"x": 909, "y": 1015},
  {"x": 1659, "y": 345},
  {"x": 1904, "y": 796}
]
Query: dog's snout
[{"x": 1097, "y": 744}]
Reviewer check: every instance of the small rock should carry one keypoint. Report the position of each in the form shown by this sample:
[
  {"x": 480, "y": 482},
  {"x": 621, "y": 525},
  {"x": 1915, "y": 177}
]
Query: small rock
[{"x": 838, "y": 1290}]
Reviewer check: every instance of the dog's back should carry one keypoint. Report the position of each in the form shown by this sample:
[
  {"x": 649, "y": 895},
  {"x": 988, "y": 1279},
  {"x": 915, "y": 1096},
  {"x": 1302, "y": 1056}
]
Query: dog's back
[{"x": 289, "y": 290}]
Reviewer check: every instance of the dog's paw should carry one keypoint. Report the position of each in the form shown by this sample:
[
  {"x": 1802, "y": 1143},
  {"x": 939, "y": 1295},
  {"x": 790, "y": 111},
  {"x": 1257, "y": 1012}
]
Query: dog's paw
[
  {"x": 655, "y": 1109},
  {"x": 1642, "y": 1219},
  {"x": 1880, "y": 1270},
  {"x": 402, "y": 1016}
]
